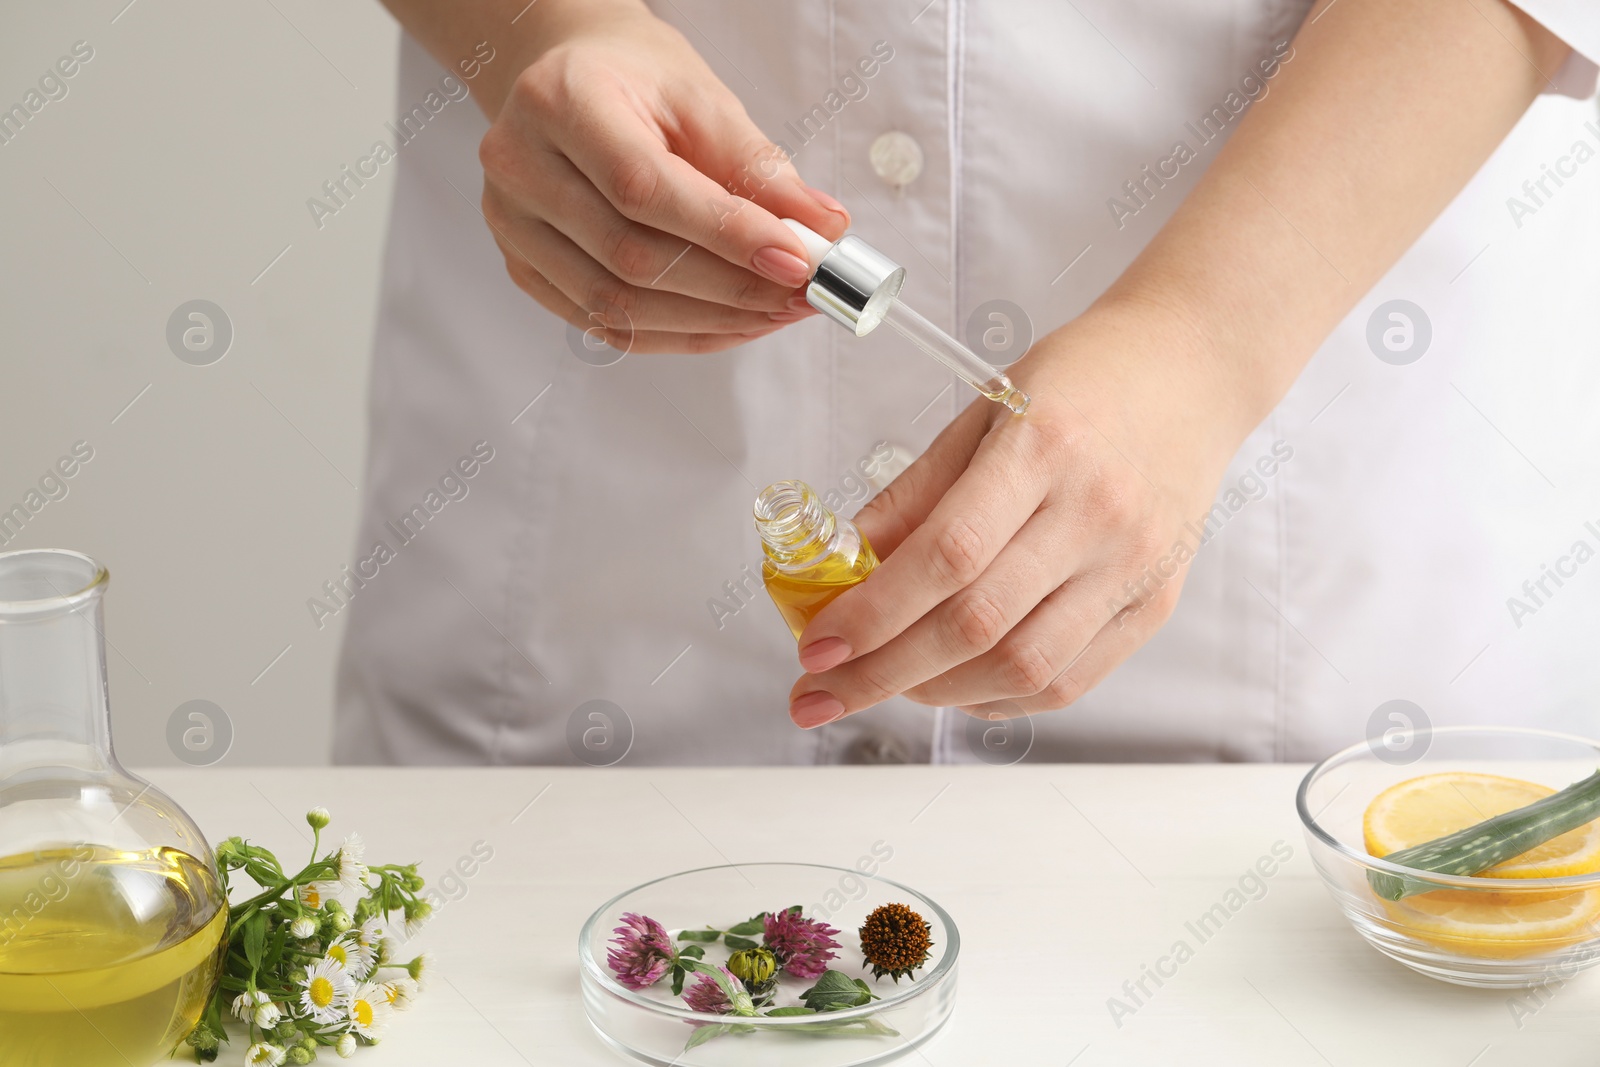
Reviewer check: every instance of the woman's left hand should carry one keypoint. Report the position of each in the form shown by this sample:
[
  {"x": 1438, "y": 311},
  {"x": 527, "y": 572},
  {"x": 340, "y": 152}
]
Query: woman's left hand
[{"x": 1023, "y": 557}]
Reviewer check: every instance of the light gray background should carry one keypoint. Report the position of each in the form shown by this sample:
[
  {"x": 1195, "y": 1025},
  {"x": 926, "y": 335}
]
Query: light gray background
[{"x": 178, "y": 167}]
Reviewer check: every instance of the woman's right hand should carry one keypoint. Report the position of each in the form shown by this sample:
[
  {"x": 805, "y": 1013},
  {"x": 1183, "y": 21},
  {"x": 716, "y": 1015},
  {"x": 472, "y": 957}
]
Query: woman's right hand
[{"x": 631, "y": 194}]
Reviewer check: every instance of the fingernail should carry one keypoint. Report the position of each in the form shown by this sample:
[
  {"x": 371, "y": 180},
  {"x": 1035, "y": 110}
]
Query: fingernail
[
  {"x": 815, "y": 709},
  {"x": 799, "y": 304},
  {"x": 827, "y": 201},
  {"x": 824, "y": 655},
  {"x": 785, "y": 268},
  {"x": 785, "y": 317}
]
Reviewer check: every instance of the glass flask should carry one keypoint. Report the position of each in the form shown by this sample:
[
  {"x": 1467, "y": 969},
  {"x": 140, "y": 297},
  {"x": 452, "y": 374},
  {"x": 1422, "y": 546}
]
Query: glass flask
[
  {"x": 812, "y": 555},
  {"x": 112, "y": 917}
]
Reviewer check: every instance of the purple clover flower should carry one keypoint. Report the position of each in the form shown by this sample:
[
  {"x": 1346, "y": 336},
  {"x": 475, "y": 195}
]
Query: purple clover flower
[
  {"x": 707, "y": 996},
  {"x": 644, "y": 951},
  {"x": 803, "y": 946}
]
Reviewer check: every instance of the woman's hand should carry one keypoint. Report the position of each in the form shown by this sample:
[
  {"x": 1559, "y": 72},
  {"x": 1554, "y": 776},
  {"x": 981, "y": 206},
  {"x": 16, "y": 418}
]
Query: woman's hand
[
  {"x": 1026, "y": 556},
  {"x": 632, "y": 195}
]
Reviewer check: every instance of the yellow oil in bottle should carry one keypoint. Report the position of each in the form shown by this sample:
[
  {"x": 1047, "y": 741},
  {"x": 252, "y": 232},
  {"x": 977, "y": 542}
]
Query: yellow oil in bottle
[
  {"x": 107, "y": 958},
  {"x": 812, "y": 555}
]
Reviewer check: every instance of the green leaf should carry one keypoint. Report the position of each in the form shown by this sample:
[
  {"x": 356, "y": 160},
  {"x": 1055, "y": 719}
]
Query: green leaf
[
  {"x": 700, "y": 935},
  {"x": 757, "y": 925},
  {"x": 738, "y": 943},
  {"x": 255, "y": 939},
  {"x": 693, "y": 952},
  {"x": 836, "y": 990},
  {"x": 793, "y": 1009},
  {"x": 275, "y": 947},
  {"x": 677, "y": 980}
]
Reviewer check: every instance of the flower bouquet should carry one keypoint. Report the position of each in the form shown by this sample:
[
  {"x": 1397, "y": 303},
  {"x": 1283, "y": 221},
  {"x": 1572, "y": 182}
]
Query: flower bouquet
[{"x": 303, "y": 972}]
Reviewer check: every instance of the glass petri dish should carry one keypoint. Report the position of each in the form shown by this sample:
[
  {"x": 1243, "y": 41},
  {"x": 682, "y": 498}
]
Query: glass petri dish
[{"x": 653, "y": 1026}]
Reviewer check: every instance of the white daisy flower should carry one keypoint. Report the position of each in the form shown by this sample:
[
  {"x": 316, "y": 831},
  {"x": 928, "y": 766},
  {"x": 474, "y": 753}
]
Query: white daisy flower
[
  {"x": 303, "y": 928},
  {"x": 352, "y": 871},
  {"x": 346, "y": 1046},
  {"x": 369, "y": 1012},
  {"x": 315, "y": 895},
  {"x": 262, "y": 1054},
  {"x": 245, "y": 1005},
  {"x": 363, "y": 958},
  {"x": 325, "y": 991},
  {"x": 267, "y": 1015},
  {"x": 401, "y": 993},
  {"x": 355, "y": 959},
  {"x": 370, "y": 933}
]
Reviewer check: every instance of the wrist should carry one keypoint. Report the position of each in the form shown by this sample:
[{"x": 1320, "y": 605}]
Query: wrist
[
  {"x": 1149, "y": 377},
  {"x": 1202, "y": 351}
]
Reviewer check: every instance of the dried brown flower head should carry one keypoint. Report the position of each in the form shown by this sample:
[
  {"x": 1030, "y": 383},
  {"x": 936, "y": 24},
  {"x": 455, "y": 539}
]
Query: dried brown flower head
[{"x": 895, "y": 941}]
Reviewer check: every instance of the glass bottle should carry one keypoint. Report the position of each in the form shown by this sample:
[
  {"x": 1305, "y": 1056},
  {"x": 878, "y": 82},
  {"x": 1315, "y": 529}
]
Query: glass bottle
[
  {"x": 812, "y": 555},
  {"x": 111, "y": 913}
]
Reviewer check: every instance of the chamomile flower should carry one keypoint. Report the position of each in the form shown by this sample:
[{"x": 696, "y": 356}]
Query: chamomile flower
[
  {"x": 352, "y": 871},
  {"x": 370, "y": 935},
  {"x": 267, "y": 1015},
  {"x": 401, "y": 993},
  {"x": 262, "y": 1054},
  {"x": 369, "y": 1012},
  {"x": 245, "y": 1004},
  {"x": 354, "y": 957},
  {"x": 370, "y": 938},
  {"x": 325, "y": 991},
  {"x": 346, "y": 1046},
  {"x": 304, "y": 928},
  {"x": 316, "y": 894}
]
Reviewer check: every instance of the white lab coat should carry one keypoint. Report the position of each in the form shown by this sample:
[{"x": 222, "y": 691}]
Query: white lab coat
[{"x": 605, "y": 551}]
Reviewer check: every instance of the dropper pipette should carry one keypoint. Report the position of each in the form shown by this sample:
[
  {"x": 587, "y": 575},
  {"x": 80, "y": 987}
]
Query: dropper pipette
[
  {"x": 982, "y": 376},
  {"x": 859, "y": 287}
]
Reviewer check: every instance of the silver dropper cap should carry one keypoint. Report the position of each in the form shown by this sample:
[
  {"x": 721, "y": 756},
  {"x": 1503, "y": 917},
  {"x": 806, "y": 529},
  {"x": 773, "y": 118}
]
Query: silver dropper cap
[{"x": 852, "y": 283}]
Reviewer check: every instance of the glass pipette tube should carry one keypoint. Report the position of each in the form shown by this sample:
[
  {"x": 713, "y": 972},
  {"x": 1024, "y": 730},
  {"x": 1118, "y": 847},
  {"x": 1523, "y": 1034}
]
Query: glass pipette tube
[{"x": 982, "y": 376}]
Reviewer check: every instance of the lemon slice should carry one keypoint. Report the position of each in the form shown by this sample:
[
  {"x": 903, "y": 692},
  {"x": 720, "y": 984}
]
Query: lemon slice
[
  {"x": 1479, "y": 924},
  {"x": 1422, "y": 809}
]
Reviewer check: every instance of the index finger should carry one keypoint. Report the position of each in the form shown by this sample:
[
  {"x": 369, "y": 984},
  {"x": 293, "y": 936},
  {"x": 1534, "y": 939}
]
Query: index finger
[
  {"x": 977, "y": 517},
  {"x": 650, "y": 185}
]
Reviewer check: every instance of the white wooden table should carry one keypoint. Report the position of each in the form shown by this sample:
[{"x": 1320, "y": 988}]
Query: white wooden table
[{"x": 1065, "y": 881}]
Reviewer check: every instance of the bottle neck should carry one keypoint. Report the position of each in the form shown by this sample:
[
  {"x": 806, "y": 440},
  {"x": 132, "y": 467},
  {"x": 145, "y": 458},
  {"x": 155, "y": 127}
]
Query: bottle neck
[
  {"x": 53, "y": 710},
  {"x": 796, "y": 528}
]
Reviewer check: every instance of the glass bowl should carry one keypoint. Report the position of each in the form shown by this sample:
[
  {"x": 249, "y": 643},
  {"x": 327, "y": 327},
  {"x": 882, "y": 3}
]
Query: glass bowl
[
  {"x": 652, "y": 1026},
  {"x": 1488, "y": 932}
]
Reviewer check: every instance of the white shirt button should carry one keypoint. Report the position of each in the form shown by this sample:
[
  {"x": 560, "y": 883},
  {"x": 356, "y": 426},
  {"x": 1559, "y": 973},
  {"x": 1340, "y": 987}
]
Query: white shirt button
[{"x": 896, "y": 158}]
